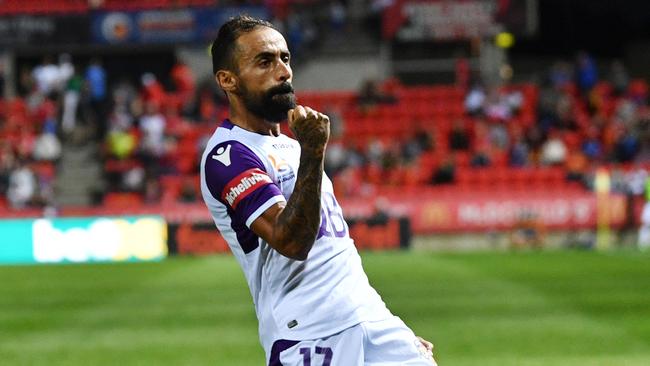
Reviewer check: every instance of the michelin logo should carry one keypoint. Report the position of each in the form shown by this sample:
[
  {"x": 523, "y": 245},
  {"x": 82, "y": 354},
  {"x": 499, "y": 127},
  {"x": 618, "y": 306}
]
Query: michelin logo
[
  {"x": 223, "y": 155},
  {"x": 244, "y": 185}
]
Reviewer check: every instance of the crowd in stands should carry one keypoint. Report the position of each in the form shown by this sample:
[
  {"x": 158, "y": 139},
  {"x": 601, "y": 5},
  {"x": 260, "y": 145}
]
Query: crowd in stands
[
  {"x": 385, "y": 135},
  {"x": 569, "y": 124}
]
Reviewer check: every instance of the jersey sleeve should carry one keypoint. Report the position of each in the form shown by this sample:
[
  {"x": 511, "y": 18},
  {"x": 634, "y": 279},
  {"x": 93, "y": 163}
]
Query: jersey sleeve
[{"x": 237, "y": 178}]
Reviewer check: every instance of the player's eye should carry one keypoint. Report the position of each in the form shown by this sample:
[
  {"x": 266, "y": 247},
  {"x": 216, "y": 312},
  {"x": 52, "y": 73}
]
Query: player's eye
[
  {"x": 286, "y": 59},
  {"x": 265, "y": 63}
]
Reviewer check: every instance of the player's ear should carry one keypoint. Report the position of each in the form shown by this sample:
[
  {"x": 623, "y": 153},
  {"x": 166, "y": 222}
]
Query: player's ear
[{"x": 227, "y": 80}]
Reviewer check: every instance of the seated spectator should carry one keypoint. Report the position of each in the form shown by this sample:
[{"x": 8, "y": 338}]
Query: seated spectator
[
  {"x": 576, "y": 166},
  {"x": 475, "y": 100},
  {"x": 47, "y": 146},
  {"x": 188, "y": 192},
  {"x": 445, "y": 173},
  {"x": 459, "y": 137},
  {"x": 591, "y": 146},
  {"x": 371, "y": 95},
  {"x": 554, "y": 151},
  {"x": 22, "y": 185},
  {"x": 335, "y": 158},
  {"x": 152, "y": 191},
  {"x": 121, "y": 144},
  {"x": 424, "y": 139}
]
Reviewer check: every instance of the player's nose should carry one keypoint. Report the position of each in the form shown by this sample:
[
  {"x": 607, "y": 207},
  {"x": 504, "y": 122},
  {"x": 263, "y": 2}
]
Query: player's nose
[{"x": 284, "y": 72}]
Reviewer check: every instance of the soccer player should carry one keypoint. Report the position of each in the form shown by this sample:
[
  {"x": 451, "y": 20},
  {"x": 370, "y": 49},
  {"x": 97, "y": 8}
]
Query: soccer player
[{"x": 275, "y": 207}]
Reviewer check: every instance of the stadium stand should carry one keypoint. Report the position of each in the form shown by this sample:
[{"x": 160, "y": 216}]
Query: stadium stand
[{"x": 403, "y": 142}]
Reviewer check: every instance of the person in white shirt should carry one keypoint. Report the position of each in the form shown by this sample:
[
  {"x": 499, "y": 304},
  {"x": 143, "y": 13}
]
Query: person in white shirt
[{"x": 275, "y": 207}]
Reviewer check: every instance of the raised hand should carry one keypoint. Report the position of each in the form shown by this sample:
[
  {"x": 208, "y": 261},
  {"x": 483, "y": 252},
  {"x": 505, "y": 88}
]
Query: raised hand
[{"x": 311, "y": 128}]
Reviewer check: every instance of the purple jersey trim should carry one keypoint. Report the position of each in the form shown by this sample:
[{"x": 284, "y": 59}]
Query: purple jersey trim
[
  {"x": 280, "y": 346},
  {"x": 246, "y": 238},
  {"x": 227, "y": 124}
]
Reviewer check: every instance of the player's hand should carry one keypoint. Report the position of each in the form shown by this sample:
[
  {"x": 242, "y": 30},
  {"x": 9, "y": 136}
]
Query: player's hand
[
  {"x": 427, "y": 347},
  {"x": 311, "y": 128}
]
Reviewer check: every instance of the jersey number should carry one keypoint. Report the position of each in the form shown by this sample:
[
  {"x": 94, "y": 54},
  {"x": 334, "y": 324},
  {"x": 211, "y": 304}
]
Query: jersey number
[
  {"x": 332, "y": 222},
  {"x": 325, "y": 351}
]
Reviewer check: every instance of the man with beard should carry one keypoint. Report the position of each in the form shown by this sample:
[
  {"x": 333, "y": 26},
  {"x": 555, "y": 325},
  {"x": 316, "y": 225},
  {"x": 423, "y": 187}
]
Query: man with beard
[{"x": 275, "y": 207}]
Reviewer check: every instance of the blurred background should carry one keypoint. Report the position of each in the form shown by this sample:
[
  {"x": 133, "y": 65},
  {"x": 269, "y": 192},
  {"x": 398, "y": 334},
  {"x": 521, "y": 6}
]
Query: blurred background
[
  {"x": 518, "y": 130},
  {"x": 457, "y": 116}
]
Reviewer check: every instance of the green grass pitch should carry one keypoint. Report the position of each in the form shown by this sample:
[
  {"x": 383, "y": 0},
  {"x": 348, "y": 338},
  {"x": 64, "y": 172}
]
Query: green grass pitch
[{"x": 501, "y": 309}]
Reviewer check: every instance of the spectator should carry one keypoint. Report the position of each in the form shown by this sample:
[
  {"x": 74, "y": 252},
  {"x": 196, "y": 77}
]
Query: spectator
[
  {"x": 22, "y": 185},
  {"x": 459, "y": 137},
  {"x": 65, "y": 72},
  {"x": 335, "y": 158},
  {"x": 619, "y": 78},
  {"x": 47, "y": 146},
  {"x": 46, "y": 76},
  {"x": 518, "y": 155},
  {"x": 152, "y": 91},
  {"x": 184, "y": 83},
  {"x": 152, "y": 190},
  {"x": 586, "y": 73},
  {"x": 152, "y": 126},
  {"x": 445, "y": 173},
  {"x": 371, "y": 95},
  {"x": 560, "y": 75},
  {"x": 7, "y": 164},
  {"x": 97, "y": 94},
  {"x": 337, "y": 16},
  {"x": 554, "y": 151},
  {"x": 71, "y": 96},
  {"x": 188, "y": 192},
  {"x": 591, "y": 146},
  {"x": 475, "y": 101}
]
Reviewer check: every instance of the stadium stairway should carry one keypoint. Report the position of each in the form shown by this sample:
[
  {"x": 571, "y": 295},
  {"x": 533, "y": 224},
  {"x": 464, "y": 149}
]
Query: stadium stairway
[{"x": 79, "y": 174}]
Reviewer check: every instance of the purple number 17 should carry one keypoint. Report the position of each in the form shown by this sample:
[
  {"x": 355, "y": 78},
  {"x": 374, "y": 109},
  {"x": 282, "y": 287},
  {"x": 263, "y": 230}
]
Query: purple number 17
[{"x": 325, "y": 351}]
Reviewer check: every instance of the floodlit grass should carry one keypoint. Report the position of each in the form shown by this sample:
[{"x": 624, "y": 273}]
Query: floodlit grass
[{"x": 518, "y": 309}]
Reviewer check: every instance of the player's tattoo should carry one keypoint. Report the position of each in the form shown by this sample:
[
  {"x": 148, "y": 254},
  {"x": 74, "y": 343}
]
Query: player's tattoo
[{"x": 302, "y": 213}]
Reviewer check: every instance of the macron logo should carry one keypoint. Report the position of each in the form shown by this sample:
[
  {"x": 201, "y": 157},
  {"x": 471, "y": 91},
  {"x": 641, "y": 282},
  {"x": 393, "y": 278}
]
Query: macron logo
[
  {"x": 243, "y": 185},
  {"x": 223, "y": 155}
]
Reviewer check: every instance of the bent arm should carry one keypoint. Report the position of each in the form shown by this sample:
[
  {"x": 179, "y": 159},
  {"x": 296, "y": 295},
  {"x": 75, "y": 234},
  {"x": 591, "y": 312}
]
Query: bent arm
[{"x": 291, "y": 229}]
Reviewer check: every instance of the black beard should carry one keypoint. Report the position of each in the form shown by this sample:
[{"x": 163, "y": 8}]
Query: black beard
[{"x": 273, "y": 104}]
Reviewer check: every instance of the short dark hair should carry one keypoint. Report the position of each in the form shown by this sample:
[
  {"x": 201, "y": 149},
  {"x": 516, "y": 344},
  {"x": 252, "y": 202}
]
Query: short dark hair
[{"x": 223, "y": 46}]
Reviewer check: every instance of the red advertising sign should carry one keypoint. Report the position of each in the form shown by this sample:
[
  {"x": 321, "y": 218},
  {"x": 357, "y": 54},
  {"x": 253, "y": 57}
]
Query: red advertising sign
[{"x": 476, "y": 211}]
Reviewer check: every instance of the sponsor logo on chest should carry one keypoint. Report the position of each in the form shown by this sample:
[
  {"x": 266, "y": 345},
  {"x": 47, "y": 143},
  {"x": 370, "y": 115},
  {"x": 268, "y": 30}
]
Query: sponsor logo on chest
[{"x": 284, "y": 171}]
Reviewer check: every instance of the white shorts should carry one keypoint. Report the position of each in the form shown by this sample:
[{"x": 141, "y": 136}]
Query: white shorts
[{"x": 381, "y": 343}]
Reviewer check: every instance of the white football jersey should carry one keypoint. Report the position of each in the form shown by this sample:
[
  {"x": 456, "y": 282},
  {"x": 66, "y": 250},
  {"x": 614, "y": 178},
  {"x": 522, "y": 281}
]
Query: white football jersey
[{"x": 243, "y": 174}]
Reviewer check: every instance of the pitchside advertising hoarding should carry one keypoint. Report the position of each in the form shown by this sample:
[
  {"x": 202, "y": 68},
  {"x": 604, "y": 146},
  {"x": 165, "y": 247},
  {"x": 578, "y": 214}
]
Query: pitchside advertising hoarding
[
  {"x": 79, "y": 240},
  {"x": 151, "y": 237}
]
